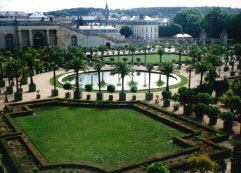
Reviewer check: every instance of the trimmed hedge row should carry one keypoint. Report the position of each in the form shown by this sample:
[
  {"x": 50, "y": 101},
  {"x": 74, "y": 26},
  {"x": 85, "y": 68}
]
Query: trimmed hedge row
[
  {"x": 137, "y": 105},
  {"x": 9, "y": 157}
]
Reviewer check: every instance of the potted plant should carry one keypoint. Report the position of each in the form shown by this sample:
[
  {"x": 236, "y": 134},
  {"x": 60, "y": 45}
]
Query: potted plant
[
  {"x": 166, "y": 95},
  {"x": 200, "y": 109},
  {"x": 6, "y": 97},
  {"x": 112, "y": 61},
  {"x": 111, "y": 89},
  {"x": 88, "y": 88},
  {"x": 228, "y": 118},
  {"x": 67, "y": 86},
  {"x": 38, "y": 95},
  {"x": 213, "y": 113},
  {"x": 157, "y": 99},
  {"x": 138, "y": 61},
  {"x": 175, "y": 98},
  {"x": 133, "y": 90}
]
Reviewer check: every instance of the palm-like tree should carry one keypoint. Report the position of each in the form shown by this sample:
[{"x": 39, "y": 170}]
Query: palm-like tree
[
  {"x": 102, "y": 48},
  {"x": 160, "y": 52},
  {"x": 98, "y": 67},
  {"x": 202, "y": 67},
  {"x": 149, "y": 67},
  {"x": 2, "y": 83},
  {"x": 29, "y": 56},
  {"x": 123, "y": 69},
  {"x": 55, "y": 59},
  {"x": 189, "y": 70},
  {"x": 118, "y": 49},
  {"x": 77, "y": 63},
  {"x": 132, "y": 49},
  {"x": 167, "y": 68},
  {"x": 144, "y": 49},
  {"x": 17, "y": 71},
  {"x": 180, "y": 51}
]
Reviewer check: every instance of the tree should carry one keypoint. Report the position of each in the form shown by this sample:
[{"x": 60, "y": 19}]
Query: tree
[
  {"x": 29, "y": 56},
  {"x": 123, "y": 69},
  {"x": 132, "y": 49},
  {"x": 169, "y": 30},
  {"x": 118, "y": 49},
  {"x": 98, "y": 66},
  {"x": 202, "y": 67},
  {"x": 77, "y": 63},
  {"x": 126, "y": 31},
  {"x": 149, "y": 67},
  {"x": 202, "y": 164},
  {"x": 102, "y": 48},
  {"x": 55, "y": 58},
  {"x": 167, "y": 68},
  {"x": 233, "y": 26},
  {"x": 191, "y": 21},
  {"x": 204, "y": 98},
  {"x": 217, "y": 17},
  {"x": 180, "y": 50},
  {"x": 189, "y": 70},
  {"x": 160, "y": 52}
]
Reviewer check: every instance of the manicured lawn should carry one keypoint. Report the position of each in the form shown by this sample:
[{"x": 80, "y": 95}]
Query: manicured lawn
[
  {"x": 153, "y": 58},
  {"x": 106, "y": 137}
]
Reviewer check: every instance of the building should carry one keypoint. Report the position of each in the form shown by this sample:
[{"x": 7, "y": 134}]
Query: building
[
  {"x": 144, "y": 28},
  {"x": 106, "y": 30},
  {"x": 23, "y": 33}
]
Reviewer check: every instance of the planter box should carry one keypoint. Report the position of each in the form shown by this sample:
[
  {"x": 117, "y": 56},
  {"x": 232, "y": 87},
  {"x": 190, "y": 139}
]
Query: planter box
[
  {"x": 38, "y": 96},
  {"x": 232, "y": 73},
  {"x": 99, "y": 96},
  {"x": 227, "y": 125},
  {"x": 166, "y": 103},
  {"x": 88, "y": 97},
  {"x": 18, "y": 97},
  {"x": 187, "y": 110},
  {"x": 110, "y": 97},
  {"x": 9, "y": 90},
  {"x": 134, "y": 97},
  {"x": 20, "y": 90},
  {"x": 67, "y": 95},
  {"x": 149, "y": 96},
  {"x": 32, "y": 87},
  {"x": 175, "y": 108},
  {"x": 24, "y": 81},
  {"x": 2, "y": 83},
  {"x": 122, "y": 96},
  {"x": 77, "y": 95},
  {"x": 54, "y": 93}
]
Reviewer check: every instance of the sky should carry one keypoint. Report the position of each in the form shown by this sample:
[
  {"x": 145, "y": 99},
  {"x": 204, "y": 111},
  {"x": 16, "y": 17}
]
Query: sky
[{"x": 51, "y": 5}]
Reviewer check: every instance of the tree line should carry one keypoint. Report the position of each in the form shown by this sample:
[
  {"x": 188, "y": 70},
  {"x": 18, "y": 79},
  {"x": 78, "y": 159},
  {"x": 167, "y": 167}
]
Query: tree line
[{"x": 192, "y": 21}]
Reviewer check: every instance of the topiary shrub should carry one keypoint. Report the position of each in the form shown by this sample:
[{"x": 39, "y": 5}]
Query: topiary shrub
[
  {"x": 182, "y": 89},
  {"x": 228, "y": 118},
  {"x": 226, "y": 68},
  {"x": 203, "y": 98},
  {"x": 166, "y": 94},
  {"x": 205, "y": 88},
  {"x": 88, "y": 87},
  {"x": 133, "y": 89},
  {"x": 157, "y": 168},
  {"x": 200, "y": 109},
  {"x": 67, "y": 86},
  {"x": 111, "y": 88},
  {"x": 220, "y": 87},
  {"x": 213, "y": 113}
]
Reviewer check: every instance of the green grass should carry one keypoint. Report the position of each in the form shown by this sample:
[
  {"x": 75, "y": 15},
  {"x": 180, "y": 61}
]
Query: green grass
[
  {"x": 152, "y": 58},
  {"x": 106, "y": 137}
]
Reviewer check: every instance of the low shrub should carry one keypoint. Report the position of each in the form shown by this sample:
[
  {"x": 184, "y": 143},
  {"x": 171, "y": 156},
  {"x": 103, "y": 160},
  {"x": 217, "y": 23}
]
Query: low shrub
[
  {"x": 133, "y": 89},
  {"x": 157, "y": 168},
  {"x": 111, "y": 88},
  {"x": 88, "y": 87}
]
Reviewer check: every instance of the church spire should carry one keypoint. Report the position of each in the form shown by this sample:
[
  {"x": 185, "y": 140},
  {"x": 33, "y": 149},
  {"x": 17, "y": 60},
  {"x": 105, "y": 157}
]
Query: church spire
[{"x": 107, "y": 11}]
